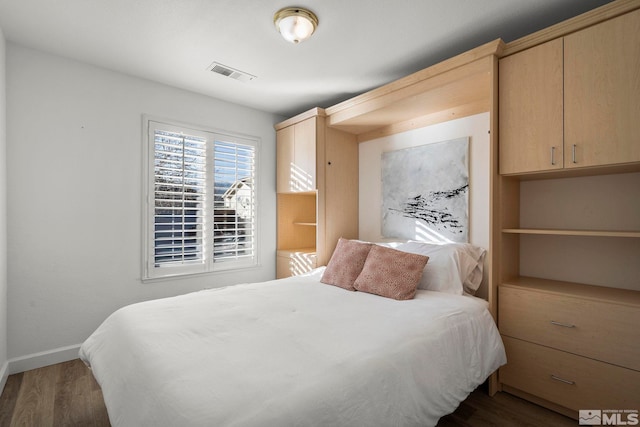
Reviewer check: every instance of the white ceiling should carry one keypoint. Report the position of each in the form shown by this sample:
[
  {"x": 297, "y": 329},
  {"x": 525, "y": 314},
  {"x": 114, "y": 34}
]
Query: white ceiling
[{"x": 359, "y": 44}]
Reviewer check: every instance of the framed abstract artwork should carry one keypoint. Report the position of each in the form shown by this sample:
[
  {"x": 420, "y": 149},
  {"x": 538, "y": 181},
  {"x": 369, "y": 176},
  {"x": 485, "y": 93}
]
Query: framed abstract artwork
[{"x": 425, "y": 192}]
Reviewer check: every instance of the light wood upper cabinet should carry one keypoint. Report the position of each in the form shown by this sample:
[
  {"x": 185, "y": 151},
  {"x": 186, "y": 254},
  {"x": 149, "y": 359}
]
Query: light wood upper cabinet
[
  {"x": 285, "y": 160},
  {"x": 573, "y": 102},
  {"x": 296, "y": 157},
  {"x": 602, "y": 93},
  {"x": 530, "y": 103}
]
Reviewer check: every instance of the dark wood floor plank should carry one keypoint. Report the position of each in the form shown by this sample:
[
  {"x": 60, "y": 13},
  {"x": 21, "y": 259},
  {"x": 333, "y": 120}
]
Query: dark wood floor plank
[
  {"x": 99, "y": 413},
  {"x": 36, "y": 398},
  {"x": 9, "y": 398},
  {"x": 503, "y": 409},
  {"x": 73, "y": 396}
]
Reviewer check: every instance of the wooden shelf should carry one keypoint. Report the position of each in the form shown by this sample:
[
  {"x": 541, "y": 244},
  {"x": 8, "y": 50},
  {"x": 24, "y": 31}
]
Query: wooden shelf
[
  {"x": 287, "y": 252},
  {"x": 589, "y": 233},
  {"x": 298, "y": 193}
]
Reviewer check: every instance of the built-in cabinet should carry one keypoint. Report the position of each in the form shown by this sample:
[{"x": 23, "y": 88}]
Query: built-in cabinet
[
  {"x": 530, "y": 105},
  {"x": 317, "y": 191},
  {"x": 569, "y": 218},
  {"x": 296, "y": 156},
  {"x": 573, "y": 345},
  {"x": 311, "y": 218},
  {"x": 602, "y": 93},
  {"x": 572, "y": 102}
]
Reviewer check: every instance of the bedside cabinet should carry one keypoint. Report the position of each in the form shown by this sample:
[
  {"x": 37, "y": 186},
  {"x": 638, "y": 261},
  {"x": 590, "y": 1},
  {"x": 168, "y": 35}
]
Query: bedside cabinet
[{"x": 570, "y": 346}]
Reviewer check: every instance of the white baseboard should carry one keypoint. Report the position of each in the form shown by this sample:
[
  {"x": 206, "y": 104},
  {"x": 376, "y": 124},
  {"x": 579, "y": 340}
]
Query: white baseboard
[
  {"x": 44, "y": 358},
  {"x": 4, "y": 374}
]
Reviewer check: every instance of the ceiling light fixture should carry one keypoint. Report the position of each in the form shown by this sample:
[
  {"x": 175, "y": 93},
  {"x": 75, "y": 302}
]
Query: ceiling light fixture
[{"x": 295, "y": 24}]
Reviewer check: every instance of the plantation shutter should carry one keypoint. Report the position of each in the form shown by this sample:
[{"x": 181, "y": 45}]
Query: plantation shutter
[
  {"x": 234, "y": 203},
  {"x": 201, "y": 204},
  {"x": 179, "y": 196}
]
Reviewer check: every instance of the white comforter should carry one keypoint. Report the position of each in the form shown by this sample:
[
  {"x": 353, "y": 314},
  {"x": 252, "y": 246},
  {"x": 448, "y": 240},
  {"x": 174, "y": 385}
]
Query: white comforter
[{"x": 292, "y": 352}]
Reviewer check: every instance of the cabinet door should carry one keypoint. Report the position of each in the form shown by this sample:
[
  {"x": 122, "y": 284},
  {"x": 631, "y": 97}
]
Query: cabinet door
[
  {"x": 530, "y": 104},
  {"x": 284, "y": 159},
  {"x": 602, "y": 93},
  {"x": 304, "y": 169},
  {"x": 296, "y": 157},
  {"x": 339, "y": 198}
]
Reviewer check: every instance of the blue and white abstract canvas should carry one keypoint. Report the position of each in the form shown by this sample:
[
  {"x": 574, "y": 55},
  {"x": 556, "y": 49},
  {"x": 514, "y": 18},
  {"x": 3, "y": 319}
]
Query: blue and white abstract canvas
[{"x": 425, "y": 192}]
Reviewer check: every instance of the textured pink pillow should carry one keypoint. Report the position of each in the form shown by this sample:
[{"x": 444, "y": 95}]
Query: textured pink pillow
[
  {"x": 391, "y": 273},
  {"x": 346, "y": 263}
]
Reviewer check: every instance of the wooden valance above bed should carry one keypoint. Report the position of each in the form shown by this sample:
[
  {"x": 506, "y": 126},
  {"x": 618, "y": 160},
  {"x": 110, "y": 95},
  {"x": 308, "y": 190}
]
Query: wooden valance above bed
[{"x": 458, "y": 87}]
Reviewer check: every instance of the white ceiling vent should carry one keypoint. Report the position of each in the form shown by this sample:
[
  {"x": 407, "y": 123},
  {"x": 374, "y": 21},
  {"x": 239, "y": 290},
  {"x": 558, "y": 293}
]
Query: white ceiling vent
[{"x": 226, "y": 71}]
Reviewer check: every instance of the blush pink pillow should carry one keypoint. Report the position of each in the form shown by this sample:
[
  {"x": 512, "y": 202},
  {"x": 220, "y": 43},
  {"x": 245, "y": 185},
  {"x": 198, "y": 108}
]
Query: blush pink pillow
[
  {"x": 391, "y": 273},
  {"x": 346, "y": 263}
]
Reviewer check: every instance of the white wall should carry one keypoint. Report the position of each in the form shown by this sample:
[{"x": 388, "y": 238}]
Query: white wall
[
  {"x": 3, "y": 216},
  {"x": 74, "y": 143},
  {"x": 476, "y": 127}
]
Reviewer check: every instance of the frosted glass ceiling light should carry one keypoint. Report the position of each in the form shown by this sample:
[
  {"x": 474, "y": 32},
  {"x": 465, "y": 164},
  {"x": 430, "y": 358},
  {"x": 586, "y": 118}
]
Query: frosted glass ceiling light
[{"x": 295, "y": 24}]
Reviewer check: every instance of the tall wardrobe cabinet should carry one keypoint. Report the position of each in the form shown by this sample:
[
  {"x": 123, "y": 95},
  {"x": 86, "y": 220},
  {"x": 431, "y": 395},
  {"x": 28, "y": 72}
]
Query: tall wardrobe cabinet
[
  {"x": 569, "y": 153},
  {"x": 317, "y": 186}
]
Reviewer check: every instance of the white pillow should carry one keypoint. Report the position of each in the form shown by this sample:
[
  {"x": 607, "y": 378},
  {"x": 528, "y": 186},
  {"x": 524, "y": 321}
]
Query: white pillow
[{"x": 453, "y": 268}]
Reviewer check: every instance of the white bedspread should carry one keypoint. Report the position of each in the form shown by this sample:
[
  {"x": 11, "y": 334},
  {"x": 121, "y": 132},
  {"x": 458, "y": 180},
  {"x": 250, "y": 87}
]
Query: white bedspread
[{"x": 292, "y": 352}]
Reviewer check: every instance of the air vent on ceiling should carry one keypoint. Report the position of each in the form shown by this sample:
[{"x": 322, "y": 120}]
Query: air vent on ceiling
[{"x": 226, "y": 71}]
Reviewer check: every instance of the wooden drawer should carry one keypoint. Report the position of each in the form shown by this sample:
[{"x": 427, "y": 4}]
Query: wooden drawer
[
  {"x": 600, "y": 330},
  {"x": 293, "y": 263},
  {"x": 568, "y": 380}
]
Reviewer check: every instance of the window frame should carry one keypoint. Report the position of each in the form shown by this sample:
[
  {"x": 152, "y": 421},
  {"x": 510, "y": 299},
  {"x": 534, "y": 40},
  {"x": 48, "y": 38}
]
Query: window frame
[{"x": 149, "y": 271}]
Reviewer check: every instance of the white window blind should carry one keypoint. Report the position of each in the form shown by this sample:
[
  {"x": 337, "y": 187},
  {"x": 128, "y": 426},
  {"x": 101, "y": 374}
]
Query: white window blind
[
  {"x": 180, "y": 177},
  {"x": 201, "y": 204},
  {"x": 234, "y": 202}
]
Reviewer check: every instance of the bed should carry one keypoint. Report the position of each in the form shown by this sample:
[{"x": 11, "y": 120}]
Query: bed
[{"x": 296, "y": 352}]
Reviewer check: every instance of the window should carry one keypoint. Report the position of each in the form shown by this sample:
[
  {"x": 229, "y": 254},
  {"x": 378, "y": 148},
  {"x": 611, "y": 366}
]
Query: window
[{"x": 200, "y": 209}]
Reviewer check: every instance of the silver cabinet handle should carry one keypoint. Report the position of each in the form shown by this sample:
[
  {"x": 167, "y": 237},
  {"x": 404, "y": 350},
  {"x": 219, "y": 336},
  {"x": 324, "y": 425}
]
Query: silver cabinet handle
[
  {"x": 553, "y": 157},
  {"x": 573, "y": 153},
  {"x": 562, "y": 380},
  {"x": 564, "y": 325}
]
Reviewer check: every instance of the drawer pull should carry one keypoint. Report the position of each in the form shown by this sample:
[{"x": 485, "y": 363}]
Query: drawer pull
[
  {"x": 562, "y": 380},
  {"x": 564, "y": 325}
]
